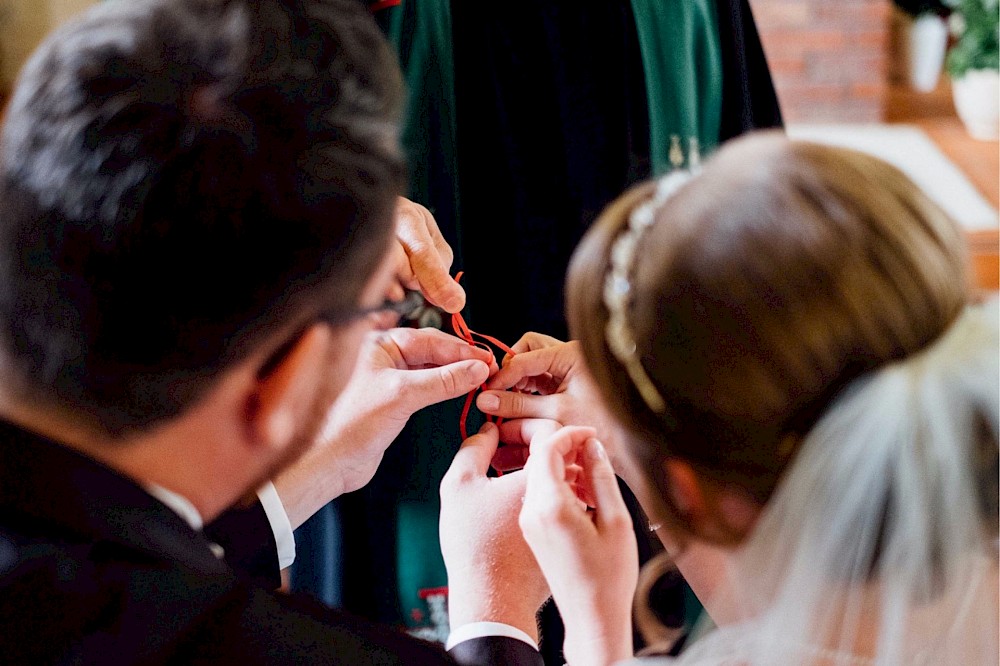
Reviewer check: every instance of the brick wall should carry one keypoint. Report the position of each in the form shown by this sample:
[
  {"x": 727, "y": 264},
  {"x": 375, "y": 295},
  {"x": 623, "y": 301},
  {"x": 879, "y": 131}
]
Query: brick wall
[{"x": 829, "y": 58}]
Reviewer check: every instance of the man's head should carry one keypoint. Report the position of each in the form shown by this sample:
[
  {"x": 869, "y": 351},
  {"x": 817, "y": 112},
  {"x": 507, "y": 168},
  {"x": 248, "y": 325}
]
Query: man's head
[{"x": 184, "y": 183}]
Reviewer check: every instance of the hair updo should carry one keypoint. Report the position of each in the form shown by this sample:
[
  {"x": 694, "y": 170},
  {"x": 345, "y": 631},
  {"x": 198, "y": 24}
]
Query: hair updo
[{"x": 765, "y": 285}]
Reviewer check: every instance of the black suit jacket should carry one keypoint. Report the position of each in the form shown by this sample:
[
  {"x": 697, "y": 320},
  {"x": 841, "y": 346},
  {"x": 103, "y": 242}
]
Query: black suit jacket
[{"x": 95, "y": 570}]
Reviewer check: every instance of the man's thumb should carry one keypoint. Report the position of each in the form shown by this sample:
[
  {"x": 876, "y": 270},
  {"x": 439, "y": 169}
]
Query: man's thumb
[{"x": 432, "y": 385}]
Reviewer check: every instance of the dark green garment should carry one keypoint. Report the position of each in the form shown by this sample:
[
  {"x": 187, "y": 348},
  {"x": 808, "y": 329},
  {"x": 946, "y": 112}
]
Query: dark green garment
[
  {"x": 422, "y": 34},
  {"x": 683, "y": 77},
  {"x": 522, "y": 124},
  {"x": 683, "y": 91}
]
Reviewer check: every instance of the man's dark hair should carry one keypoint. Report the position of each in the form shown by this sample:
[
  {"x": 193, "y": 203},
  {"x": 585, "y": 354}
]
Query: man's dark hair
[{"x": 180, "y": 180}]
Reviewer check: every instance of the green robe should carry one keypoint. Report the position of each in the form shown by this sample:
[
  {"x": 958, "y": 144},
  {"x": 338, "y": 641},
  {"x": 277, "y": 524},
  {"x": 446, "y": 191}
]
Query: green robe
[
  {"x": 683, "y": 77},
  {"x": 693, "y": 74}
]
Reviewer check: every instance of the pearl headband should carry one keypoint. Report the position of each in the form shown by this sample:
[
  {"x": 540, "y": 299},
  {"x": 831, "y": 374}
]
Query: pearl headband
[{"x": 618, "y": 286}]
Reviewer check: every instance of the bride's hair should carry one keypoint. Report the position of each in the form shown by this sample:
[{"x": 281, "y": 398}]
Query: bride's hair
[
  {"x": 793, "y": 323},
  {"x": 762, "y": 288}
]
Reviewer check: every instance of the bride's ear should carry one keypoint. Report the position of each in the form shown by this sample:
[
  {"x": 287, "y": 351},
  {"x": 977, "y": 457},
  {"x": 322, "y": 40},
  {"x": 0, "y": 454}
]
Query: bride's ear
[
  {"x": 686, "y": 492},
  {"x": 717, "y": 513}
]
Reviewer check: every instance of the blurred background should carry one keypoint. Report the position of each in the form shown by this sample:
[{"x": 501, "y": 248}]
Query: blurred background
[
  {"x": 878, "y": 75},
  {"x": 915, "y": 82}
]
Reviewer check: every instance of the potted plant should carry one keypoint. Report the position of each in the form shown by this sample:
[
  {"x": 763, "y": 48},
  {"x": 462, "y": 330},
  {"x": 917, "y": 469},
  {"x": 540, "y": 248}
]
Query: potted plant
[
  {"x": 924, "y": 41},
  {"x": 974, "y": 65}
]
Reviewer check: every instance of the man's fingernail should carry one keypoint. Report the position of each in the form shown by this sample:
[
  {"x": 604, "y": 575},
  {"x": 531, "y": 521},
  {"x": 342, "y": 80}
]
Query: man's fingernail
[
  {"x": 472, "y": 351},
  {"x": 596, "y": 450},
  {"x": 453, "y": 304},
  {"x": 487, "y": 427},
  {"x": 474, "y": 372},
  {"x": 488, "y": 402}
]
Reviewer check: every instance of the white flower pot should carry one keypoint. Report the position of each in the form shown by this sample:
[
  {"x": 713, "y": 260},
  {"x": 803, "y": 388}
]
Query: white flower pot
[
  {"x": 926, "y": 43},
  {"x": 977, "y": 100}
]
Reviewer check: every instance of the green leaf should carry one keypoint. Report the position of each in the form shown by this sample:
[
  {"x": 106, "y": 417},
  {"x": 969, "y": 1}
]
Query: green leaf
[{"x": 978, "y": 47}]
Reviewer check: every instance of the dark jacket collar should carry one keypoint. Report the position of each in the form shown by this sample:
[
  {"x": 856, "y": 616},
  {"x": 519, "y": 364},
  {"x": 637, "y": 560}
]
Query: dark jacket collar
[{"x": 47, "y": 487}]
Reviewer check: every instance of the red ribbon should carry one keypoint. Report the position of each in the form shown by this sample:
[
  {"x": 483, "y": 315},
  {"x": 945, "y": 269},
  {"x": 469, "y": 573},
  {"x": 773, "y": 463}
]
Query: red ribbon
[{"x": 463, "y": 331}]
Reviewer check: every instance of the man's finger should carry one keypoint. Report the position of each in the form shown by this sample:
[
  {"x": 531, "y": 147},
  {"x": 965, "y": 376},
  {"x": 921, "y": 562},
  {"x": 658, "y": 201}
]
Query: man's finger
[
  {"x": 395, "y": 291},
  {"x": 434, "y": 279},
  {"x": 415, "y": 225},
  {"x": 431, "y": 270},
  {"x": 401, "y": 260},
  {"x": 428, "y": 256},
  {"x": 422, "y": 388},
  {"x": 444, "y": 249},
  {"x": 421, "y": 347},
  {"x": 473, "y": 458}
]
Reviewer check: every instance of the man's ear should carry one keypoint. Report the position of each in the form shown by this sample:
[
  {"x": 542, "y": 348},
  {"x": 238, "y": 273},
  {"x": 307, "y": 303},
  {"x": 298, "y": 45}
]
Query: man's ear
[
  {"x": 716, "y": 513},
  {"x": 284, "y": 397}
]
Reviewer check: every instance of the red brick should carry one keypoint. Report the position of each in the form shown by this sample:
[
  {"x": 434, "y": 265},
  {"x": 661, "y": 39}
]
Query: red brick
[
  {"x": 842, "y": 112},
  {"x": 853, "y": 68},
  {"x": 869, "y": 90},
  {"x": 806, "y": 39},
  {"x": 787, "y": 66},
  {"x": 783, "y": 13},
  {"x": 829, "y": 58},
  {"x": 871, "y": 12},
  {"x": 878, "y": 39},
  {"x": 812, "y": 92}
]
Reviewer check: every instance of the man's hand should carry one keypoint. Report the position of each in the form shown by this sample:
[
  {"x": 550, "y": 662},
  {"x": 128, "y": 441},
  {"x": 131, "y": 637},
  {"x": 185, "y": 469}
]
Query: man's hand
[
  {"x": 399, "y": 372},
  {"x": 423, "y": 258},
  {"x": 492, "y": 575}
]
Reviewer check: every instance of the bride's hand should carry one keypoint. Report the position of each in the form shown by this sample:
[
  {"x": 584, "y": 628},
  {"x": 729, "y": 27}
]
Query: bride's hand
[
  {"x": 551, "y": 382},
  {"x": 588, "y": 556}
]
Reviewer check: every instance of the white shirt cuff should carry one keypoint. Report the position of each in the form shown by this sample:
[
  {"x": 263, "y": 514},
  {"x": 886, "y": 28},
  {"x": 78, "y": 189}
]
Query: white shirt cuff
[
  {"x": 484, "y": 629},
  {"x": 280, "y": 526}
]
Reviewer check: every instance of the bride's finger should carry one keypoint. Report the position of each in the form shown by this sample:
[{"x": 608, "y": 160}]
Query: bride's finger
[
  {"x": 556, "y": 361},
  {"x": 531, "y": 341},
  {"x": 548, "y": 495},
  {"x": 612, "y": 514},
  {"x": 525, "y": 431}
]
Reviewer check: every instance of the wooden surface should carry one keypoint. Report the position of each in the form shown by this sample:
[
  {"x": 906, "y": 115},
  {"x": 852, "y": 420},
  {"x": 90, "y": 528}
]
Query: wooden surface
[{"x": 934, "y": 113}]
